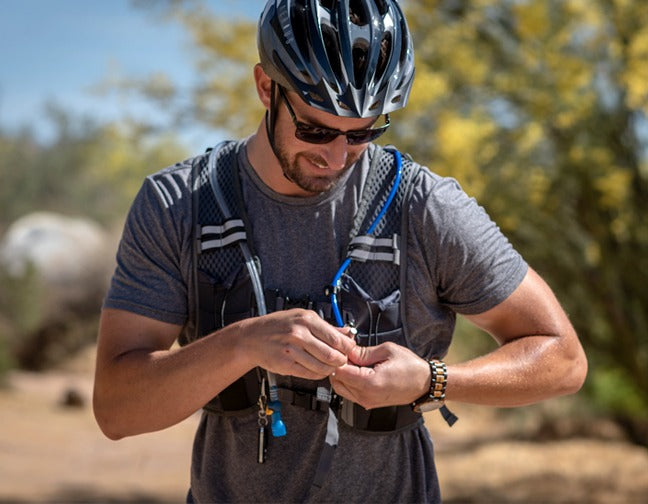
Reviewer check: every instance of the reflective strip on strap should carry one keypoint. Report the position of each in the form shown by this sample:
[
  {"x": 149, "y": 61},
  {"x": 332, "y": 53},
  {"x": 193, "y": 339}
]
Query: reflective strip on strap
[
  {"x": 369, "y": 248},
  {"x": 224, "y": 242},
  {"x": 232, "y": 231}
]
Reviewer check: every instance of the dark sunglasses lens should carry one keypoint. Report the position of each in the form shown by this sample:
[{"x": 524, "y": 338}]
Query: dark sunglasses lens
[
  {"x": 361, "y": 137},
  {"x": 314, "y": 135}
]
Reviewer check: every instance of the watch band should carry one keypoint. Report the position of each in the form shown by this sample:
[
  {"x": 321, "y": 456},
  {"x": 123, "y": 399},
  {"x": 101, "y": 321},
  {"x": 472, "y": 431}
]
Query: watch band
[{"x": 435, "y": 397}]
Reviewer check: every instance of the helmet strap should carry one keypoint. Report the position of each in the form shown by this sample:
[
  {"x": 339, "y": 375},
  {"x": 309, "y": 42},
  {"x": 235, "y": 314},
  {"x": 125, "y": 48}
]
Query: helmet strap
[{"x": 270, "y": 119}]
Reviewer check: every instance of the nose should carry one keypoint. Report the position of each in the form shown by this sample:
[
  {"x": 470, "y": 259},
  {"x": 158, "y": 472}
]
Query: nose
[{"x": 335, "y": 153}]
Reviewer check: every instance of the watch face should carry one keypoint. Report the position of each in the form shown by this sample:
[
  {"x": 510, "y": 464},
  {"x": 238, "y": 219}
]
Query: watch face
[{"x": 430, "y": 406}]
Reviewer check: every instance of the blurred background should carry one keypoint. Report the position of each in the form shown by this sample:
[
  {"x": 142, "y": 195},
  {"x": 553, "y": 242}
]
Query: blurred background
[{"x": 538, "y": 107}]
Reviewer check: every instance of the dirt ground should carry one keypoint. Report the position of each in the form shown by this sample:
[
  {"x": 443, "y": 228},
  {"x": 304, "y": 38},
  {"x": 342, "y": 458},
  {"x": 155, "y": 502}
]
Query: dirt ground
[{"x": 52, "y": 453}]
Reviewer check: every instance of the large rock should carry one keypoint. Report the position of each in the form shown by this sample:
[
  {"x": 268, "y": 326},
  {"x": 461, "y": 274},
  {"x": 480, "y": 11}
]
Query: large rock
[
  {"x": 63, "y": 249},
  {"x": 58, "y": 269}
]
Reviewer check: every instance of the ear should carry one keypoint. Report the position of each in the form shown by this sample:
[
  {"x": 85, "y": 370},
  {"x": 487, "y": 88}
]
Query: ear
[{"x": 263, "y": 85}]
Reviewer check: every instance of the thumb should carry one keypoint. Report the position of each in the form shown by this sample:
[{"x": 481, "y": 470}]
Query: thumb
[{"x": 368, "y": 356}]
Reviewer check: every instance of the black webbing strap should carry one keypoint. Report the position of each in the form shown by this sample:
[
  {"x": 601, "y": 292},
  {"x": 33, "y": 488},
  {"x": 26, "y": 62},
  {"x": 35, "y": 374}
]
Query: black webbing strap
[
  {"x": 324, "y": 464},
  {"x": 385, "y": 419},
  {"x": 448, "y": 415}
]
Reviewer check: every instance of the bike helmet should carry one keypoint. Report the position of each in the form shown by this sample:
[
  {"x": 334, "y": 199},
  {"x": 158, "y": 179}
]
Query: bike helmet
[{"x": 352, "y": 58}]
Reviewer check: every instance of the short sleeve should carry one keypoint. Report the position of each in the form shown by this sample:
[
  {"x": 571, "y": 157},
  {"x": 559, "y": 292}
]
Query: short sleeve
[
  {"x": 153, "y": 258},
  {"x": 472, "y": 265}
]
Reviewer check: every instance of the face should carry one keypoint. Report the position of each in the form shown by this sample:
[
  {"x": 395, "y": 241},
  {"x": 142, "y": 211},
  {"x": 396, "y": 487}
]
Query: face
[{"x": 315, "y": 168}]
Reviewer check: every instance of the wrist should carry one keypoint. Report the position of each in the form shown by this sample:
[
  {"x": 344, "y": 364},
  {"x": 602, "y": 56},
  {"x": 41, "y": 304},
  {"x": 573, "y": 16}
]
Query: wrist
[
  {"x": 242, "y": 340},
  {"x": 434, "y": 396}
]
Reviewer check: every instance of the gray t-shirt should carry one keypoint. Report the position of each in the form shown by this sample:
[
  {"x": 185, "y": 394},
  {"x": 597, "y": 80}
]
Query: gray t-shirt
[{"x": 457, "y": 262}]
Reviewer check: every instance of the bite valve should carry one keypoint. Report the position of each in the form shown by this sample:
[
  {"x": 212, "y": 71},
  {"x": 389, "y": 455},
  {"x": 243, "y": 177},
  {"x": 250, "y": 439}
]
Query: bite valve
[{"x": 277, "y": 425}]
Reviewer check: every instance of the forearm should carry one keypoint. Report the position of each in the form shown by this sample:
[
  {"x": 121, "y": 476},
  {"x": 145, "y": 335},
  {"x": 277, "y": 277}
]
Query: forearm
[
  {"x": 523, "y": 371},
  {"x": 142, "y": 385},
  {"x": 144, "y": 391}
]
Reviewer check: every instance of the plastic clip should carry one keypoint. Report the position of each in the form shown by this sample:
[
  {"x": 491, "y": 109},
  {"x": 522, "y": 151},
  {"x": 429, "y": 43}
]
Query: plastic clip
[{"x": 276, "y": 423}]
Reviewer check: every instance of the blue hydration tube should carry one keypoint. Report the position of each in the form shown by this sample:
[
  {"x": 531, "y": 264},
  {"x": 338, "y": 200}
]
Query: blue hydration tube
[{"x": 337, "y": 280}]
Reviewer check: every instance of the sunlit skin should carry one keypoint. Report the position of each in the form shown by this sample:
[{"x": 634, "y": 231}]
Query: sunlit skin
[{"x": 312, "y": 168}]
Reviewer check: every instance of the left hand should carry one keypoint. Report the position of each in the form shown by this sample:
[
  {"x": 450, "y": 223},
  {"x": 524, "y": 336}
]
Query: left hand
[{"x": 383, "y": 375}]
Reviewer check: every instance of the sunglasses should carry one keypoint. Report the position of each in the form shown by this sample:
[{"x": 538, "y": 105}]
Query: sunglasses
[{"x": 321, "y": 135}]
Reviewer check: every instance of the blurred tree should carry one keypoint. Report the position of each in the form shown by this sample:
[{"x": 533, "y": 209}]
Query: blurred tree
[
  {"x": 88, "y": 169},
  {"x": 539, "y": 108}
]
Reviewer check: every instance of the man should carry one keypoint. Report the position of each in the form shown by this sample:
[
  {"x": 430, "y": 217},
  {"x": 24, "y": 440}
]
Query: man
[{"x": 313, "y": 279}]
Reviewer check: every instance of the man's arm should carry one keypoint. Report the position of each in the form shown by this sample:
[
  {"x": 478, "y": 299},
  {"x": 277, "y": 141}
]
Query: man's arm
[
  {"x": 142, "y": 384},
  {"x": 539, "y": 357}
]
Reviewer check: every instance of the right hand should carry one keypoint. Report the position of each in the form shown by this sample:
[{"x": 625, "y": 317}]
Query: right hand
[{"x": 296, "y": 343}]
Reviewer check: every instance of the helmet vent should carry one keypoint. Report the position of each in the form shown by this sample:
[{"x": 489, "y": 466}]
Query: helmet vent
[
  {"x": 328, "y": 4},
  {"x": 306, "y": 77},
  {"x": 315, "y": 97},
  {"x": 358, "y": 14},
  {"x": 360, "y": 61},
  {"x": 332, "y": 48},
  {"x": 298, "y": 22},
  {"x": 382, "y": 7},
  {"x": 385, "y": 51},
  {"x": 404, "y": 42},
  {"x": 343, "y": 105}
]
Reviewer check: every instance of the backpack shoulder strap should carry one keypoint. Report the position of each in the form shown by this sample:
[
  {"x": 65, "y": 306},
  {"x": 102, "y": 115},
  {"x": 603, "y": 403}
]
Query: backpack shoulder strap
[
  {"x": 384, "y": 242},
  {"x": 217, "y": 206},
  {"x": 216, "y": 229},
  {"x": 414, "y": 169}
]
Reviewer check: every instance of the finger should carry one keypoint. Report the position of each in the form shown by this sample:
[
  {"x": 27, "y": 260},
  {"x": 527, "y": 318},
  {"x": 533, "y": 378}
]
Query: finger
[
  {"x": 330, "y": 335},
  {"x": 297, "y": 360},
  {"x": 353, "y": 377},
  {"x": 348, "y": 331},
  {"x": 324, "y": 353},
  {"x": 299, "y": 371},
  {"x": 305, "y": 329},
  {"x": 369, "y": 356},
  {"x": 357, "y": 395},
  {"x": 342, "y": 390}
]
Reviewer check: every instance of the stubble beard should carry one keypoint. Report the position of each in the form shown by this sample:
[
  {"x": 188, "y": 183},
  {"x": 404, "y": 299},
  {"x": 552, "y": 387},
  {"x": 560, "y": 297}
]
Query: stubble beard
[{"x": 309, "y": 183}]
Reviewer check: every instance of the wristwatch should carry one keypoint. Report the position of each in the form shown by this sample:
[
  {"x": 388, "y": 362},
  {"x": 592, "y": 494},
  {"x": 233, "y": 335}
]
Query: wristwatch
[{"x": 435, "y": 397}]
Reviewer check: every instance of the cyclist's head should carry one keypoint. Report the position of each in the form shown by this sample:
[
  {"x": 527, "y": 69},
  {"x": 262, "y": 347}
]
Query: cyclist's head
[{"x": 351, "y": 58}]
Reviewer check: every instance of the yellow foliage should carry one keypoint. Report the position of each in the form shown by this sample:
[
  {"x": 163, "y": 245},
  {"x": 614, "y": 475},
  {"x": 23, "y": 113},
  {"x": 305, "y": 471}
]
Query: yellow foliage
[
  {"x": 531, "y": 134},
  {"x": 592, "y": 253},
  {"x": 576, "y": 154},
  {"x": 614, "y": 187},
  {"x": 235, "y": 41},
  {"x": 429, "y": 86},
  {"x": 464, "y": 147},
  {"x": 539, "y": 184},
  {"x": 622, "y": 4},
  {"x": 620, "y": 226},
  {"x": 601, "y": 156},
  {"x": 532, "y": 19},
  {"x": 509, "y": 222},
  {"x": 460, "y": 53},
  {"x": 636, "y": 75}
]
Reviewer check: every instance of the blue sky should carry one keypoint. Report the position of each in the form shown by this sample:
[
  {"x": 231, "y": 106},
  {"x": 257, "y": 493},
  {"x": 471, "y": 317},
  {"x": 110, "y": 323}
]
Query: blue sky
[{"x": 60, "y": 50}]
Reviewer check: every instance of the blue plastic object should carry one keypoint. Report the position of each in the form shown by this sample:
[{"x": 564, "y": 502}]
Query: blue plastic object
[{"x": 277, "y": 426}]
